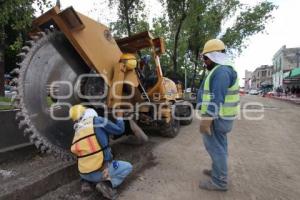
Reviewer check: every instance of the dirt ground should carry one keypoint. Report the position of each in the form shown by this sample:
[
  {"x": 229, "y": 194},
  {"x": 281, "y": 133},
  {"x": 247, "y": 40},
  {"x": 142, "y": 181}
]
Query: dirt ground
[{"x": 264, "y": 160}]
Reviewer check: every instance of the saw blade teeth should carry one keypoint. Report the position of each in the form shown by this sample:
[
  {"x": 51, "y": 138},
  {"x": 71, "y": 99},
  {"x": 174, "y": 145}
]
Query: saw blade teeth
[
  {"x": 22, "y": 124},
  {"x": 14, "y": 81},
  {"x": 34, "y": 37},
  {"x": 15, "y": 71},
  {"x": 48, "y": 151},
  {"x": 41, "y": 34},
  {"x": 22, "y": 55},
  {"x": 32, "y": 138},
  {"x": 47, "y": 31},
  {"x": 29, "y": 43},
  {"x": 43, "y": 148},
  {"x": 37, "y": 143},
  {"x": 19, "y": 115},
  {"x": 26, "y": 49},
  {"x": 16, "y": 104},
  {"x": 24, "y": 117},
  {"x": 27, "y": 131}
]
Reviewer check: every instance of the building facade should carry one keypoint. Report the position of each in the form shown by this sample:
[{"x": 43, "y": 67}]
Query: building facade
[
  {"x": 284, "y": 60},
  {"x": 262, "y": 76},
  {"x": 247, "y": 80}
]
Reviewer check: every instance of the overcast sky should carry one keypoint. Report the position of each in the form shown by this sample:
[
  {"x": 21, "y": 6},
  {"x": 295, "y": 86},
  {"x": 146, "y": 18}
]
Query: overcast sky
[{"x": 283, "y": 30}]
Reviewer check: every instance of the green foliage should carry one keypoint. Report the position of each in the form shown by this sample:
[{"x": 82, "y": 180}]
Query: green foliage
[
  {"x": 204, "y": 20},
  {"x": 5, "y": 103},
  {"x": 15, "y": 21},
  {"x": 131, "y": 18},
  {"x": 187, "y": 24},
  {"x": 249, "y": 22}
]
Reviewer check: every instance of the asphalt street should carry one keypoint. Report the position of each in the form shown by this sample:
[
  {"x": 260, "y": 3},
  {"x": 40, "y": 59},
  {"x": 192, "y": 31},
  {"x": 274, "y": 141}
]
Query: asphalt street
[{"x": 264, "y": 158}]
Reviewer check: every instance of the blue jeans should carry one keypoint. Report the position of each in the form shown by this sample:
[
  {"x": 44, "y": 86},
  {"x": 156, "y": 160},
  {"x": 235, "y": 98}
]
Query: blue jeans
[
  {"x": 216, "y": 146},
  {"x": 118, "y": 171}
]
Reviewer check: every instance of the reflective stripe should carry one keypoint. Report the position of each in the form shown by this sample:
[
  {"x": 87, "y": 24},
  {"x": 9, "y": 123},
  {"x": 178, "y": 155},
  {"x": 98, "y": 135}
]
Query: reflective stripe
[
  {"x": 231, "y": 107},
  {"x": 233, "y": 92},
  {"x": 91, "y": 144},
  {"x": 206, "y": 92},
  {"x": 78, "y": 149},
  {"x": 233, "y": 104},
  {"x": 87, "y": 149}
]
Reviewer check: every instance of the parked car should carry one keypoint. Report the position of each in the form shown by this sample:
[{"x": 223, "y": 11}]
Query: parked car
[
  {"x": 242, "y": 91},
  {"x": 9, "y": 93},
  {"x": 254, "y": 92}
]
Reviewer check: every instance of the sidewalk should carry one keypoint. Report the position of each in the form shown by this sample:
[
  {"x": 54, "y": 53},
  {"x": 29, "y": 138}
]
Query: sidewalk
[{"x": 291, "y": 99}]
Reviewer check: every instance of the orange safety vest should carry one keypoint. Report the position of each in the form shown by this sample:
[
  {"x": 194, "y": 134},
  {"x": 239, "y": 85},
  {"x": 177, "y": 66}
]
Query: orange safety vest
[{"x": 87, "y": 148}]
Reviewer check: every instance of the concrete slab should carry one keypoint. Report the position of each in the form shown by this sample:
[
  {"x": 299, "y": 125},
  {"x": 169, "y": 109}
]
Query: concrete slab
[
  {"x": 10, "y": 135},
  {"x": 33, "y": 175},
  {"x": 140, "y": 156}
]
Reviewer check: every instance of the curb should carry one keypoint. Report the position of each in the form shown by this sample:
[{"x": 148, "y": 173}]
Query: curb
[
  {"x": 16, "y": 151},
  {"x": 286, "y": 100},
  {"x": 42, "y": 181}
]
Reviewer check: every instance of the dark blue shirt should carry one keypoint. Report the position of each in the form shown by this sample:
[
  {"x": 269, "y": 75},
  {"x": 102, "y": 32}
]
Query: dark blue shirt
[
  {"x": 222, "y": 78},
  {"x": 105, "y": 128}
]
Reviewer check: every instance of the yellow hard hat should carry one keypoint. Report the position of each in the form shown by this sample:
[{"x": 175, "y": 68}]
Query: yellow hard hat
[
  {"x": 76, "y": 112},
  {"x": 213, "y": 45},
  {"x": 129, "y": 60}
]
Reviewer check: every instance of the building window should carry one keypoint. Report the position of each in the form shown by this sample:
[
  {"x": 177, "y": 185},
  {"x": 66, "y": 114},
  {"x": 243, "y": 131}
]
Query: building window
[{"x": 280, "y": 64}]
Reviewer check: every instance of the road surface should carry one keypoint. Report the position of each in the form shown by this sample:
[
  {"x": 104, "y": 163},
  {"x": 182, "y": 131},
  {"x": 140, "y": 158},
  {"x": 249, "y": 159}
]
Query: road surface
[{"x": 264, "y": 159}]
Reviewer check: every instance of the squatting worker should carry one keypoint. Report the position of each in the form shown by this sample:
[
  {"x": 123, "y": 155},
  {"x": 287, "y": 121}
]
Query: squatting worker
[
  {"x": 91, "y": 146},
  {"x": 219, "y": 99}
]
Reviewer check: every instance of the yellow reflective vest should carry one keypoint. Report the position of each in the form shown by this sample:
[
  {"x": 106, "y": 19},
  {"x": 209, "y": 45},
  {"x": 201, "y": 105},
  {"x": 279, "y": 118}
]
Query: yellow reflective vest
[
  {"x": 87, "y": 148},
  {"x": 231, "y": 105}
]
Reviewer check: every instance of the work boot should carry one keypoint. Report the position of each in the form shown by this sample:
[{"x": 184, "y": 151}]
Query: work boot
[
  {"x": 106, "y": 190},
  {"x": 86, "y": 186},
  {"x": 209, "y": 185},
  {"x": 207, "y": 172}
]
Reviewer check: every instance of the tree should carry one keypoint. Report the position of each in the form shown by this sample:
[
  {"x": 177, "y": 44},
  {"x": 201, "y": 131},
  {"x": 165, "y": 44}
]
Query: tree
[
  {"x": 161, "y": 28},
  {"x": 203, "y": 23},
  {"x": 177, "y": 11},
  {"x": 15, "y": 21},
  {"x": 131, "y": 18},
  {"x": 201, "y": 20}
]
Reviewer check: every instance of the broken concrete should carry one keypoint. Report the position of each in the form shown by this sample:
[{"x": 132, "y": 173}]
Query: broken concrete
[{"x": 33, "y": 175}]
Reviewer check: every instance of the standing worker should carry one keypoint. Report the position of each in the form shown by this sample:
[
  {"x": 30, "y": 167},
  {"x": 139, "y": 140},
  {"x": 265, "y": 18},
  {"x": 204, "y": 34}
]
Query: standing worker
[
  {"x": 91, "y": 146},
  {"x": 219, "y": 99}
]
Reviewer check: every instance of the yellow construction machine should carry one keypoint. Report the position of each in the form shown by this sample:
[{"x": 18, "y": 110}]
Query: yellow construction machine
[{"x": 73, "y": 59}]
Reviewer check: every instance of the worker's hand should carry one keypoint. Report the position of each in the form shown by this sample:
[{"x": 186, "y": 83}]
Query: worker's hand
[
  {"x": 205, "y": 125},
  {"x": 105, "y": 174},
  {"x": 120, "y": 114}
]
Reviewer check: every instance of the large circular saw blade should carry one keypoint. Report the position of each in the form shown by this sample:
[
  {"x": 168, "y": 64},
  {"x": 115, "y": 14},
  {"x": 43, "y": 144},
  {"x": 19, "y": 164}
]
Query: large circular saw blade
[{"x": 49, "y": 69}]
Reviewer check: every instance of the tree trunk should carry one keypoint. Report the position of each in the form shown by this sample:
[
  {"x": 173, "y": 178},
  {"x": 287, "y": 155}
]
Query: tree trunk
[
  {"x": 175, "y": 54},
  {"x": 194, "y": 76},
  {"x": 127, "y": 6}
]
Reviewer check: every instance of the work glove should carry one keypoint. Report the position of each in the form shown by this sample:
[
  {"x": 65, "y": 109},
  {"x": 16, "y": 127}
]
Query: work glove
[{"x": 205, "y": 124}]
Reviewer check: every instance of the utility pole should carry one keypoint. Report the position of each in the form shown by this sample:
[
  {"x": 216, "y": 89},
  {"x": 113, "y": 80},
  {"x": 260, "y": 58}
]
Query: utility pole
[{"x": 185, "y": 79}]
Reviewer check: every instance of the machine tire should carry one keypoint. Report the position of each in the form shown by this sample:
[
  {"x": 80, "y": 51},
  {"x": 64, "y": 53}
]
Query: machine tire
[
  {"x": 171, "y": 129},
  {"x": 187, "y": 121},
  {"x": 185, "y": 111}
]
